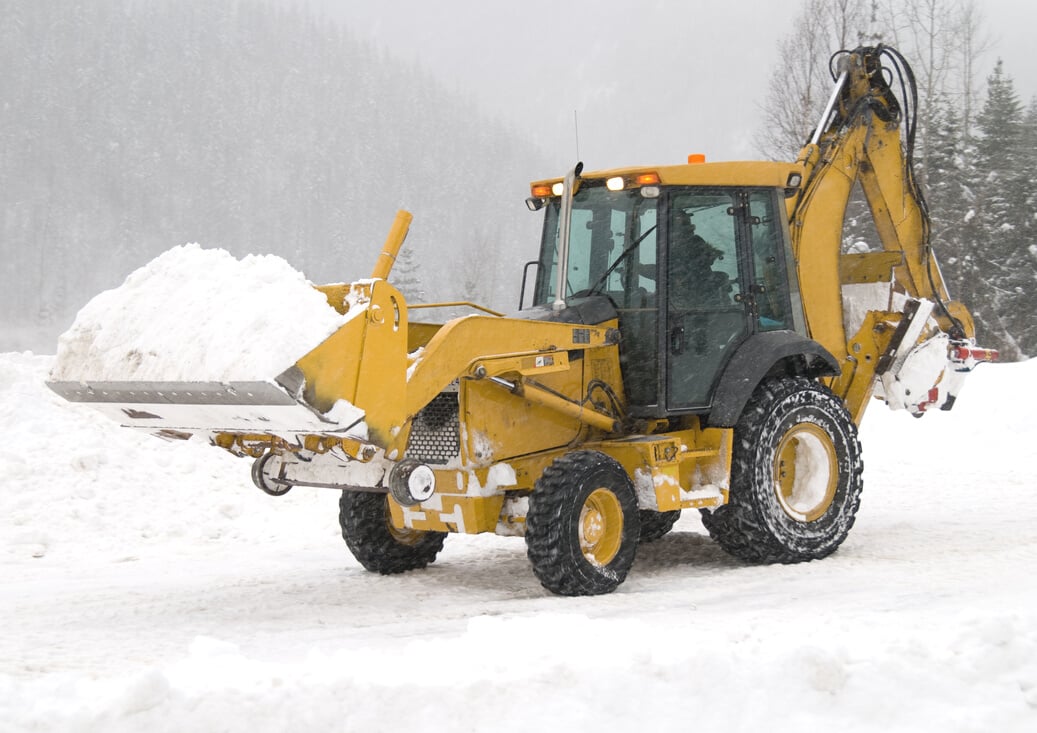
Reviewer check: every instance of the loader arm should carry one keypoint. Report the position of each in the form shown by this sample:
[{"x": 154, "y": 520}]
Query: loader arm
[
  {"x": 366, "y": 362},
  {"x": 481, "y": 347}
]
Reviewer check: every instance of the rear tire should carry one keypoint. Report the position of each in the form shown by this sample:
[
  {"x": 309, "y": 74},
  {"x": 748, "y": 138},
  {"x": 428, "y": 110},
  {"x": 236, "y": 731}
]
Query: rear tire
[
  {"x": 795, "y": 476},
  {"x": 376, "y": 543},
  {"x": 582, "y": 525},
  {"x": 656, "y": 525}
]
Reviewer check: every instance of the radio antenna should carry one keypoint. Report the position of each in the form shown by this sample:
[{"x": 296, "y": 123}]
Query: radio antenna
[{"x": 576, "y": 127}]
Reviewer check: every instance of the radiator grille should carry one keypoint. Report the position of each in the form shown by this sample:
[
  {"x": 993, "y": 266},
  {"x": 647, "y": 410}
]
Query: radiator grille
[{"x": 435, "y": 436}]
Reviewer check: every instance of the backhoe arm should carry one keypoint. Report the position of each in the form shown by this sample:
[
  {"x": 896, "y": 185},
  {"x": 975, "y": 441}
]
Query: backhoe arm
[{"x": 867, "y": 136}]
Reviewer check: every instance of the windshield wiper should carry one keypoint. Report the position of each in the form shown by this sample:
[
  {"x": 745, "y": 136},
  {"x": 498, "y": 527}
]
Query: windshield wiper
[{"x": 622, "y": 256}]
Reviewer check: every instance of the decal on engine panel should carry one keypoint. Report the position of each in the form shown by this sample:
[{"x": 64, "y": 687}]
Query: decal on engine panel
[{"x": 581, "y": 335}]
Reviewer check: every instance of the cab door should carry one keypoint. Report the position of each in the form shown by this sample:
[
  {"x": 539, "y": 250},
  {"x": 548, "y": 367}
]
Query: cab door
[
  {"x": 707, "y": 311},
  {"x": 730, "y": 274}
]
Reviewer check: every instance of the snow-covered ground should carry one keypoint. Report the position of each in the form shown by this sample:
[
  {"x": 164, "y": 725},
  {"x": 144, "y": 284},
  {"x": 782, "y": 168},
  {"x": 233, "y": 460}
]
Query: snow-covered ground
[{"x": 147, "y": 586}]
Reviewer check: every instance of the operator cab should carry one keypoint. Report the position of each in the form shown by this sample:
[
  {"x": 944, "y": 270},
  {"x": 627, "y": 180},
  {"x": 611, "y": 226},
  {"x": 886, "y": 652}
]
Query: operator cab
[{"x": 691, "y": 270}]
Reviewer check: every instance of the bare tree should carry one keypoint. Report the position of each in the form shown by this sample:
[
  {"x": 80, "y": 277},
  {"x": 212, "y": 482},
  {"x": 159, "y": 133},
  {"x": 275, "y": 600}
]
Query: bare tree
[
  {"x": 922, "y": 28},
  {"x": 943, "y": 40},
  {"x": 972, "y": 42},
  {"x": 801, "y": 82}
]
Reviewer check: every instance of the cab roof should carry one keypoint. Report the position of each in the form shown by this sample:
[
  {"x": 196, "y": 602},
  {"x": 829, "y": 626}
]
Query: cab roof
[{"x": 728, "y": 173}]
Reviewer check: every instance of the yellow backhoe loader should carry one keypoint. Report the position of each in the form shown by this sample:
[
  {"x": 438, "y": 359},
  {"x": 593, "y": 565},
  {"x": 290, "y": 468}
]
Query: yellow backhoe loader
[{"x": 696, "y": 339}]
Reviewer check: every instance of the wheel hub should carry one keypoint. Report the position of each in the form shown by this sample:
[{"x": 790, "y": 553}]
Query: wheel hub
[
  {"x": 806, "y": 472},
  {"x": 403, "y": 535},
  {"x": 601, "y": 527}
]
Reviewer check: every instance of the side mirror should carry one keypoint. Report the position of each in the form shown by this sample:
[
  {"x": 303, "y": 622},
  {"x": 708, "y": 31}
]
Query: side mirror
[{"x": 535, "y": 204}]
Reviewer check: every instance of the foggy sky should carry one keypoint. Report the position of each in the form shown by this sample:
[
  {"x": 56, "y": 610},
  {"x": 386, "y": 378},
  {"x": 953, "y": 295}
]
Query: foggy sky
[{"x": 649, "y": 82}]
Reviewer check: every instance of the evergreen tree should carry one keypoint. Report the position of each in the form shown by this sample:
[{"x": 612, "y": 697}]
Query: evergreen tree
[
  {"x": 1002, "y": 257},
  {"x": 951, "y": 201},
  {"x": 406, "y": 277},
  {"x": 1029, "y": 168},
  {"x": 1024, "y": 259}
]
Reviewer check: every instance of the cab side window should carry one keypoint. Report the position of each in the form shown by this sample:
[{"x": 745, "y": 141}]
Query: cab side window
[
  {"x": 703, "y": 263},
  {"x": 770, "y": 283}
]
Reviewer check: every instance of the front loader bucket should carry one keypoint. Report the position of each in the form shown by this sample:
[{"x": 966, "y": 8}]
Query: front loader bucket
[
  {"x": 352, "y": 338},
  {"x": 285, "y": 405},
  {"x": 171, "y": 409},
  {"x": 365, "y": 359}
]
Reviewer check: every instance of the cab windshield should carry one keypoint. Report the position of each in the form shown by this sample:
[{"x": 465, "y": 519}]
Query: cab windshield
[{"x": 612, "y": 245}]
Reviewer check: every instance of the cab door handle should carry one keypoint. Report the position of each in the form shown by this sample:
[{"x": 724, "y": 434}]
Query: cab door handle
[{"x": 677, "y": 340}]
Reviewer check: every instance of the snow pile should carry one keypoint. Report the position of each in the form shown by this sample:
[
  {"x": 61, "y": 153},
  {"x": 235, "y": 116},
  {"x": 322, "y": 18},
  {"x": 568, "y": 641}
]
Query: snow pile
[
  {"x": 148, "y": 586},
  {"x": 195, "y": 314}
]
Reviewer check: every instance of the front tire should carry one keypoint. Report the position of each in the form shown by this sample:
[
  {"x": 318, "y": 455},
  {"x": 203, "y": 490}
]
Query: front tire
[
  {"x": 795, "y": 476},
  {"x": 583, "y": 525},
  {"x": 379, "y": 546}
]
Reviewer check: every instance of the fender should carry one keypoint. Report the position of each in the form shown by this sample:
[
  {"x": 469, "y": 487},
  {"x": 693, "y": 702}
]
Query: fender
[{"x": 758, "y": 356}]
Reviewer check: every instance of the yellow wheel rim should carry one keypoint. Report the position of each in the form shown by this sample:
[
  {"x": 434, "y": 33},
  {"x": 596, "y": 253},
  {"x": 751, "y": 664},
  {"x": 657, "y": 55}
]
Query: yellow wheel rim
[
  {"x": 601, "y": 527},
  {"x": 806, "y": 472},
  {"x": 403, "y": 535}
]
